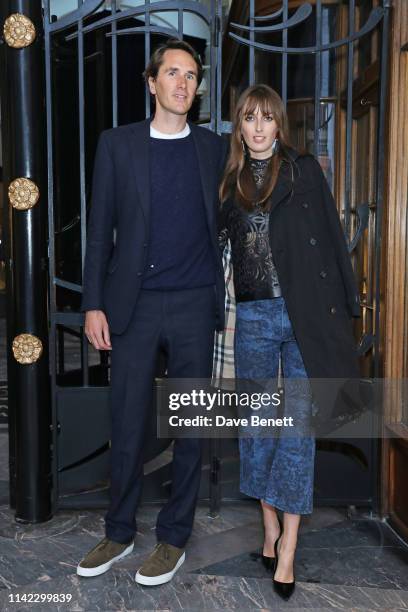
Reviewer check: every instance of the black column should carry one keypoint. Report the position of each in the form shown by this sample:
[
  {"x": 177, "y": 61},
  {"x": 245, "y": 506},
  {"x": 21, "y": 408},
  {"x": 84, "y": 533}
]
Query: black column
[{"x": 25, "y": 233}]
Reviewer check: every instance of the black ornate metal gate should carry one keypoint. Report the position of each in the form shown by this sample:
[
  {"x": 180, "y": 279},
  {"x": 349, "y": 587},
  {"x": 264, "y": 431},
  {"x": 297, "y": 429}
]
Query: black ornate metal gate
[{"x": 328, "y": 61}]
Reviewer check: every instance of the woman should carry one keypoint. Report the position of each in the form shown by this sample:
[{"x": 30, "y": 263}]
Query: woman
[{"x": 295, "y": 293}]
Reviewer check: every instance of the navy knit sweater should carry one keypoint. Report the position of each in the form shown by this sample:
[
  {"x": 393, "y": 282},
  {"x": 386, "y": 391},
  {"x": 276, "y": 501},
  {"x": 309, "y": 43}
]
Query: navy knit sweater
[{"x": 179, "y": 255}]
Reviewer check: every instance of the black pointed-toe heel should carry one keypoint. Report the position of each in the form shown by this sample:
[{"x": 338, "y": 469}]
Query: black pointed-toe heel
[
  {"x": 283, "y": 589},
  {"x": 269, "y": 562}
]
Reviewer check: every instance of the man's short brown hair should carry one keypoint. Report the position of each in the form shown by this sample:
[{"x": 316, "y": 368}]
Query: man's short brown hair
[{"x": 156, "y": 58}]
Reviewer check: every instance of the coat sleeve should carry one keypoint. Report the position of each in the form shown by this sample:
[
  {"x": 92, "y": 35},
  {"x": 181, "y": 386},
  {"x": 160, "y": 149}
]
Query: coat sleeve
[
  {"x": 100, "y": 228},
  {"x": 340, "y": 244}
]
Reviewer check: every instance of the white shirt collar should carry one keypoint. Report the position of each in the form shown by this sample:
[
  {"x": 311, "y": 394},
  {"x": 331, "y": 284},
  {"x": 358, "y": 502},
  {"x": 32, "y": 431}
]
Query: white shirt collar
[{"x": 156, "y": 134}]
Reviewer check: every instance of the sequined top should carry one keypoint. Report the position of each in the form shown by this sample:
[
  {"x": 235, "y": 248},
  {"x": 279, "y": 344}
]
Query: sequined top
[{"x": 255, "y": 274}]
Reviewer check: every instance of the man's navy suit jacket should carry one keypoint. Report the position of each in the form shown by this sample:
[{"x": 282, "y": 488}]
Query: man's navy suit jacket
[{"x": 118, "y": 227}]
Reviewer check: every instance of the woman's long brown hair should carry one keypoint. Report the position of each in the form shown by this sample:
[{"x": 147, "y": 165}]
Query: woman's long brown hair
[{"x": 238, "y": 180}]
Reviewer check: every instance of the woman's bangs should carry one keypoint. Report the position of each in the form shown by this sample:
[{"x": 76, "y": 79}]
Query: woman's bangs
[{"x": 258, "y": 101}]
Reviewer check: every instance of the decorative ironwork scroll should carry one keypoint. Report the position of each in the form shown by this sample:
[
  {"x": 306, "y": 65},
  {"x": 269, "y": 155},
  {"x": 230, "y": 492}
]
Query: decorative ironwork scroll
[{"x": 301, "y": 15}]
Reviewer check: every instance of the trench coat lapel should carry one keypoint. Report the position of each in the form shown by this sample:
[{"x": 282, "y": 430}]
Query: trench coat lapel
[
  {"x": 286, "y": 184},
  {"x": 140, "y": 164},
  {"x": 282, "y": 189}
]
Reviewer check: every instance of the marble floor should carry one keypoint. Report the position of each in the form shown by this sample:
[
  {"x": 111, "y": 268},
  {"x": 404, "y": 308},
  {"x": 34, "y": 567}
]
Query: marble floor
[{"x": 342, "y": 563}]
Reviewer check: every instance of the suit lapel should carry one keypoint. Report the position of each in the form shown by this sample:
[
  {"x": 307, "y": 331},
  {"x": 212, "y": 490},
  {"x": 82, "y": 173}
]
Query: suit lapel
[
  {"x": 140, "y": 164},
  {"x": 207, "y": 174}
]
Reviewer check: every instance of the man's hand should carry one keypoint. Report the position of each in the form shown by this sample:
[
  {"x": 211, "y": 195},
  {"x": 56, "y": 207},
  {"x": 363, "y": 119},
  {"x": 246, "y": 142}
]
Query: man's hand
[{"x": 97, "y": 330}]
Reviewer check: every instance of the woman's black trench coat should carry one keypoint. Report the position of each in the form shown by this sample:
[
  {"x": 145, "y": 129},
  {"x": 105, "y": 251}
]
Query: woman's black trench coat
[{"x": 316, "y": 277}]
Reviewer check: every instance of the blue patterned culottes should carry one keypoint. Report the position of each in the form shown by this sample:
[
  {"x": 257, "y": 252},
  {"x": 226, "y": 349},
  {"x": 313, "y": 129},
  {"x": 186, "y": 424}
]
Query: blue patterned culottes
[{"x": 278, "y": 470}]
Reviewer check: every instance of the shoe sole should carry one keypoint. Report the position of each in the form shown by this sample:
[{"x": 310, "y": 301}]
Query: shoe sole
[
  {"x": 163, "y": 578},
  {"x": 88, "y": 572}
]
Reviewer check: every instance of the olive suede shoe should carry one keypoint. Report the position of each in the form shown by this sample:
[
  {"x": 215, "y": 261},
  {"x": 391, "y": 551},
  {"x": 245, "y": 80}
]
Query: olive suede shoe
[
  {"x": 102, "y": 557},
  {"x": 161, "y": 565}
]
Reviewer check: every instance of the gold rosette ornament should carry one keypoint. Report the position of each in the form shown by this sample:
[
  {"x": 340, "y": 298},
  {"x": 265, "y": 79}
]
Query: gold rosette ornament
[
  {"x": 27, "y": 348},
  {"x": 19, "y": 31},
  {"x": 23, "y": 193}
]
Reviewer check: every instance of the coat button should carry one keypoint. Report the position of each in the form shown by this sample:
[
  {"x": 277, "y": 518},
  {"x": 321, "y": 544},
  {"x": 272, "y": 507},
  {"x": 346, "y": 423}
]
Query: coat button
[
  {"x": 333, "y": 310},
  {"x": 305, "y": 205},
  {"x": 139, "y": 274},
  {"x": 145, "y": 245},
  {"x": 323, "y": 274},
  {"x": 313, "y": 241}
]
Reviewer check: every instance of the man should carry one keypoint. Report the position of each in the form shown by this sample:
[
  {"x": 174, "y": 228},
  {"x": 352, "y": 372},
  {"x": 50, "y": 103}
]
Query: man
[{"x": 158, "y": 285}]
